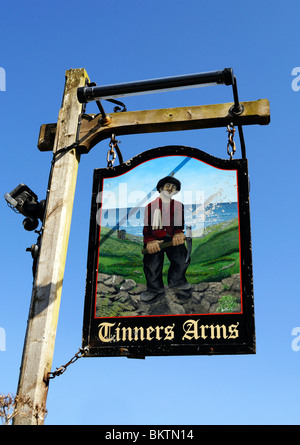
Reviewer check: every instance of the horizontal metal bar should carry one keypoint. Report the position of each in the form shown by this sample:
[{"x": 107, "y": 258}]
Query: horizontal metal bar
[{"x": 88, "y": 94}]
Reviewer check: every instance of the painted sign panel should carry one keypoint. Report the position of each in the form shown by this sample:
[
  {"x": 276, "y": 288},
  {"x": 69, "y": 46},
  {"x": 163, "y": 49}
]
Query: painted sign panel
[{"x": 169, "y": 262}]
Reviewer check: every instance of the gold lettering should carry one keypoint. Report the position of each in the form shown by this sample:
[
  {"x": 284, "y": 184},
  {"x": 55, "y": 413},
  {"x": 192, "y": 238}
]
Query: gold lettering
[
  {"x": 194, "y": 331},
  {"x": 215, "y": 331},
  {"x": 190, "y": 328},
  {"x": 149, "y": 331},
  {"x": 202, "y": 331},
  {"x": 233, "y": 331},
  {"x": 126, "y": 334},
  {"x": 157, "y": 332},
  {"x": 104, "y": 333},
  {"x": 137, "y": 331},
  {"x": 169, "y": 332}
]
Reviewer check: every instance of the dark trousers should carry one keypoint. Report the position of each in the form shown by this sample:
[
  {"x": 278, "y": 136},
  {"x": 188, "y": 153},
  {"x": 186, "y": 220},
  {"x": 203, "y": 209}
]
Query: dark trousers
[{"x": 153, "y": 266}]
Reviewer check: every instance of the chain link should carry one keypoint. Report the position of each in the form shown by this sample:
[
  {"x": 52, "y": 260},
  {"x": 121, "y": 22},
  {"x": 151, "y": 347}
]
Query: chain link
[
  {"x": 81, "y": 353},
  {"x": 113, "y": 144},
  {"x": 231, "y": 143},
  {"x": 111, "y": 153}
]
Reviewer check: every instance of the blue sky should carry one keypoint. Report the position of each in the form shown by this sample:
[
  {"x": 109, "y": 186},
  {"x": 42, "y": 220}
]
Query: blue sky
[
  {"x": 126, "y": 41},
  {"x": 131, "y": 188}
]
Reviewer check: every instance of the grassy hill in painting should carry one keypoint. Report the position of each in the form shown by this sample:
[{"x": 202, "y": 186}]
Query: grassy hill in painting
[{"x": 215, "y": 255}]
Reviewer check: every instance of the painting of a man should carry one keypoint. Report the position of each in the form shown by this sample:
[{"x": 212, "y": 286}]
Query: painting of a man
[{"x": 164, "y": 234}]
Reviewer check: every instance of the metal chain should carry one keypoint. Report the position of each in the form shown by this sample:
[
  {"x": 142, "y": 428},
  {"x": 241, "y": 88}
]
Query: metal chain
[
  {"x": 111, "y": 153},
  {"x": 231, "y": 143},
  {"x": 81, "y": 353}
]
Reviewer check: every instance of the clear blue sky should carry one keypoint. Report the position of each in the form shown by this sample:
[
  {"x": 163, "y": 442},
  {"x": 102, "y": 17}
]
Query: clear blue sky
[
  {"x": 125, "y": 41},
  {"x": 217, "y": 184}
]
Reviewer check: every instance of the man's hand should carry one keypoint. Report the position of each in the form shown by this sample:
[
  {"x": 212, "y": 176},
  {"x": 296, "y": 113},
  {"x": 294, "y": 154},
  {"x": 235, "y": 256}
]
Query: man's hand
[
  {"x": 178, "y": 239},
  {"x": 153, "y": 246}
]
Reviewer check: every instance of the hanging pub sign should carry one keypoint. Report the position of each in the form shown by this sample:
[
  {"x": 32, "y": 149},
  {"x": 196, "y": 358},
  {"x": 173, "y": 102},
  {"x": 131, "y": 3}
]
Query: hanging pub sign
[{"x": 169, "y": 260}]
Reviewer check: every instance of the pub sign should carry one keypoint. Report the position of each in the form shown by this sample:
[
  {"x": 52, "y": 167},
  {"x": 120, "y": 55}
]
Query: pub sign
[{"x": 169, "y": 268}]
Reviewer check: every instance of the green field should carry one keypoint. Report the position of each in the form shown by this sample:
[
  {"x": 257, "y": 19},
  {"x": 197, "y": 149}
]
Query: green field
[{"x": 215, "y": 255}]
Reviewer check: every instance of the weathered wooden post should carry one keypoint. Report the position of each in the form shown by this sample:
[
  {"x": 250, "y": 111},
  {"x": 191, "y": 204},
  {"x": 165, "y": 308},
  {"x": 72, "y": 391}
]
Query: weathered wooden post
[{"x": 46, "y": 293}]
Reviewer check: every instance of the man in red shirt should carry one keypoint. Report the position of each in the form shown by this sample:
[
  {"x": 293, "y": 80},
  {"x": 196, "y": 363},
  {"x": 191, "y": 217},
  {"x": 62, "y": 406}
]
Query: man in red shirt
[{"x": 164, "y": 223}]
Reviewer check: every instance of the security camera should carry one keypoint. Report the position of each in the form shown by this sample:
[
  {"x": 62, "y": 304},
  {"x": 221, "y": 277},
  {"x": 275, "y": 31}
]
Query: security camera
[{"x": 23, "y": 200}]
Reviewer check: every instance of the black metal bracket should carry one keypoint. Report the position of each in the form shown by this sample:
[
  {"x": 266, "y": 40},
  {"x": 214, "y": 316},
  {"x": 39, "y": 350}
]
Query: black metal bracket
[
  {"x": 92, "y": 92},
  {"x": 100, "y": 106},
  {"x": 236, "y": 110}
]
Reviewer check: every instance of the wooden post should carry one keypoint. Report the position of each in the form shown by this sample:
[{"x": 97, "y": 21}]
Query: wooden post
[{"x": 46, "y": 293}]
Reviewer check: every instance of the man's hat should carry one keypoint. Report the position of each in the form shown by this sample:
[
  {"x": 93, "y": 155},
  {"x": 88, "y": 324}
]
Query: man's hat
[{"x": 170, "y": 180}]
